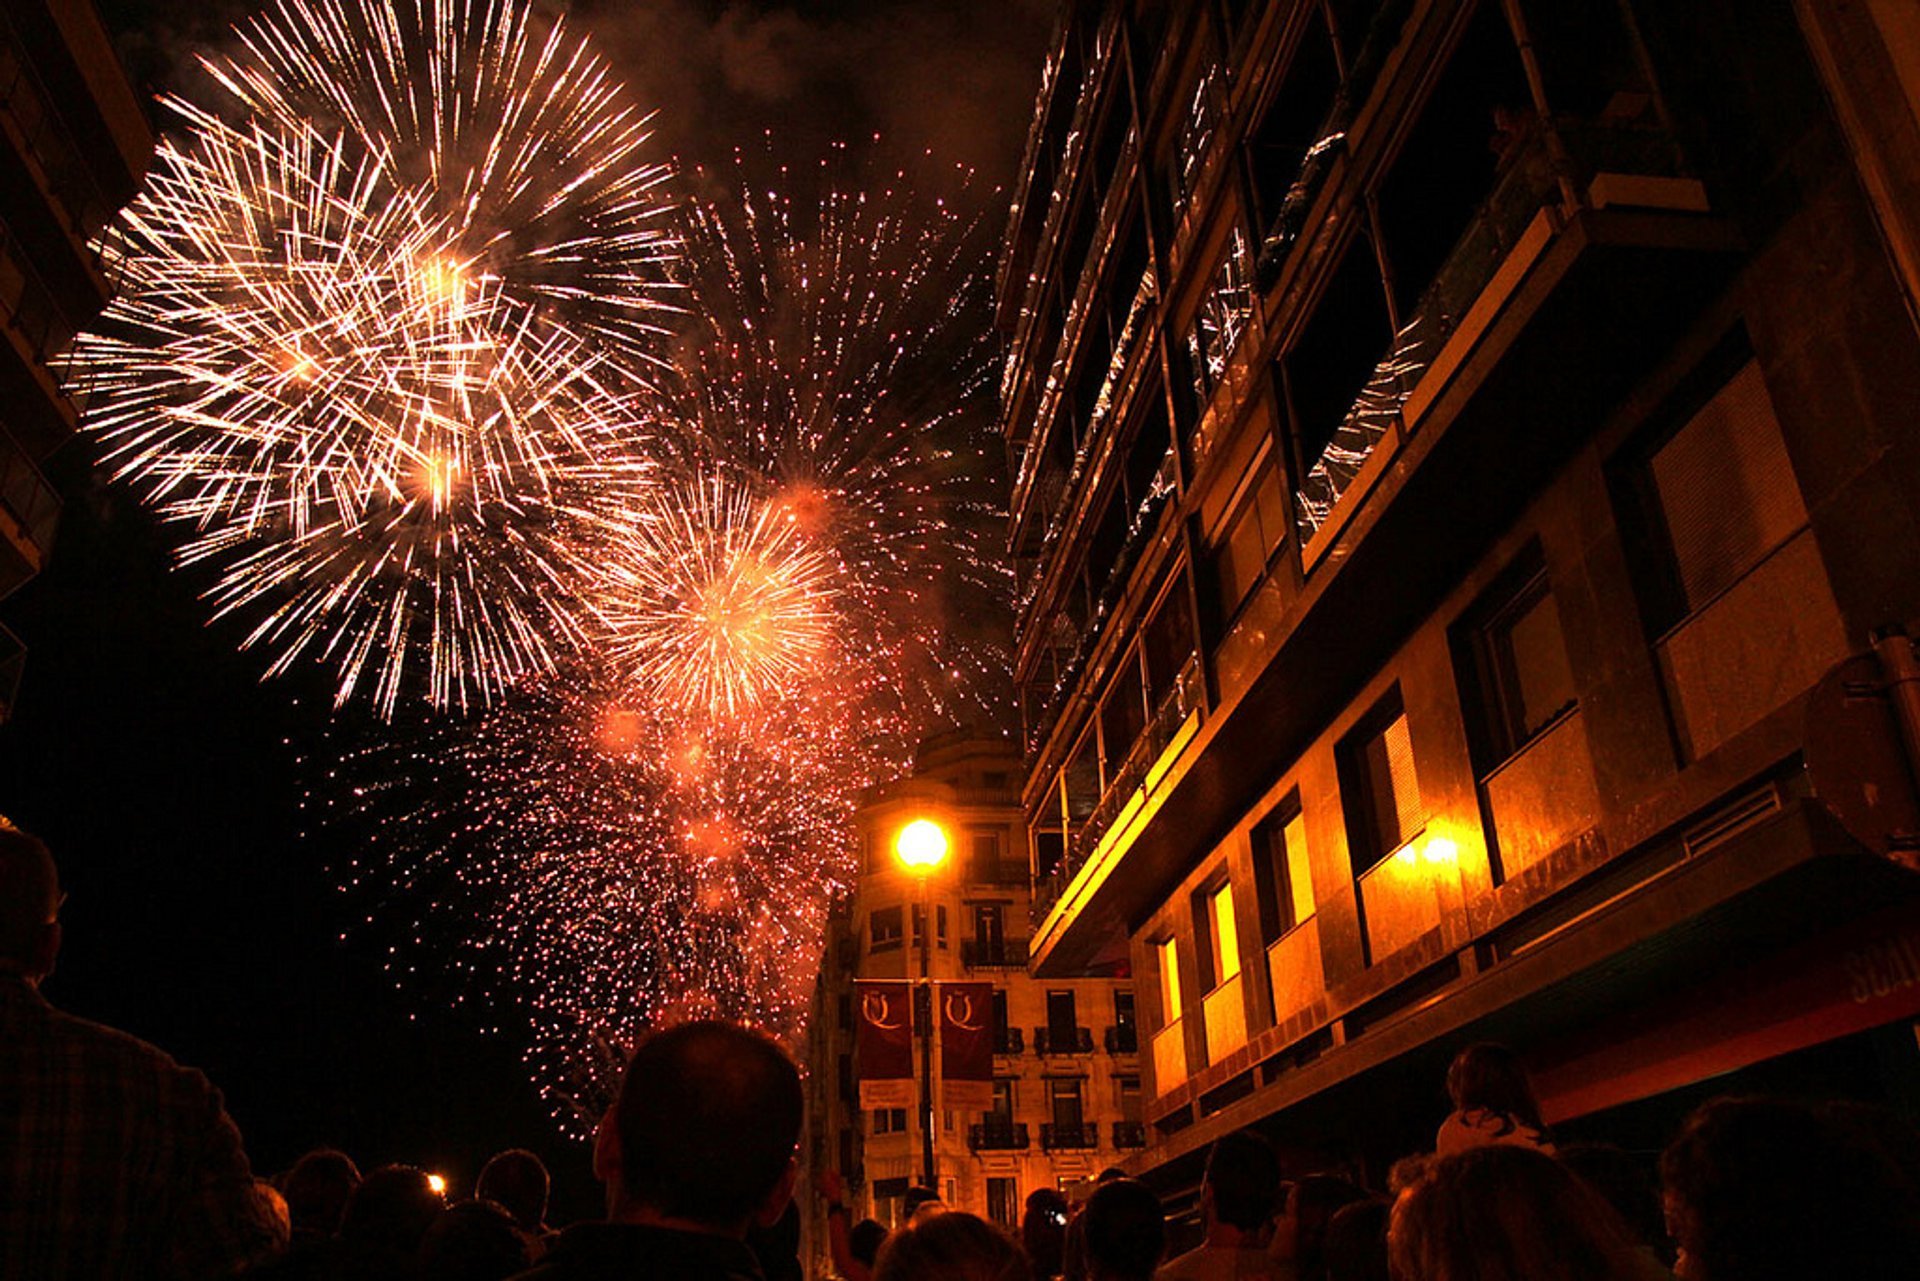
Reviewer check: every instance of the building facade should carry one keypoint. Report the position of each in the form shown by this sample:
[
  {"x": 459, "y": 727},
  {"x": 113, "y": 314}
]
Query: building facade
[
  {"x": 1066, "y": 1065},
  {"x": 74, "y": 146},
  {"x": 1467, "y": 486}
]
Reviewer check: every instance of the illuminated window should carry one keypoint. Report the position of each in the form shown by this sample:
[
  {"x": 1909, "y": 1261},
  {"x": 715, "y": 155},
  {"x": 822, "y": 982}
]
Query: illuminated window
[
  {"x": 1169, "y": 955},
  {"x": 1283, "y": 878},
  {"x": 1382, "y": 788},
  {"x": 1225, "y": 934}
]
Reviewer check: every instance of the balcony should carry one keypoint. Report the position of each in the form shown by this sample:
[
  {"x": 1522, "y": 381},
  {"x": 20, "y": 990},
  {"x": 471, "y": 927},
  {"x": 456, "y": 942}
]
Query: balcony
[
  {"x": 29, "y": 510},
  {"x": 1002, "y": 954},
  {"x": 1129, "y": 1134},
  {"x": 1400, "y": 895},
  {"x": 1123, "y": 1038},
  {"x": 1295, "y": 973},
  {"x": 1069, "y": 1136},
  {"x": 1057, "y": 1041},
  {"x": 1009, "y": 1040},
  {"x": 997, "y": 1134},
  {"x": 1225, "y": 1013}
]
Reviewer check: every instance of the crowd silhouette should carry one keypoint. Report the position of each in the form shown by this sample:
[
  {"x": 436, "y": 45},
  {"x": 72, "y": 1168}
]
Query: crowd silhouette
[{"x": 116, "y": 1162}]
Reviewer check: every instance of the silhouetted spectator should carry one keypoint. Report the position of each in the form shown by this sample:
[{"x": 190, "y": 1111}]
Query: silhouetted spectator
[
  {"x": 920, "y": 1204},
  {"x": 1492, "y": 1103},
  {"x": 1043, "y": 1232},
  {"x": 864, "y": 1242},
  {"x": 1507, "y": 1213},
  {"x": 473, "y": 1241},
  {"x": 1355, "y": 1245},
  {"x": 385, "y": 1222},
  {"x": 951, "y": 1246},
  {"x": 1759, "y": 1189},
  {"x": 115, "y": 1161},
  {"x": 777, "y": 1246},
  {"x": 849, "y": 1262},
  {"x": 1074, "y": 1259},
  {"x": 517, "y": 1181},
  {"x": 1238, "y": 1197},
  {"x": 317, "y": 1189},
  {"x": 697, "y": 1148},
  {"x": 1626, "y": 1182},
  {"x": 1126, "y": 1232},
  {"x": 1299, "y": 1234}
]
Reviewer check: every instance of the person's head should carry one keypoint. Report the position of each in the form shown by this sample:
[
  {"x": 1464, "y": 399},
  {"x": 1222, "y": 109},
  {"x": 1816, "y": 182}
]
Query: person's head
[
  {"x": 951, "y": 1247},
  {"x": 1506, "y": 1213},
  {"x": 317, "y": 1189},
  {"x": 1489, "y": 1078},
  {"x": 703, "y": 1131},
  {"x": 392, "y": 1209},
  {"x": 1241, "y": 1182},
  {"x": 1043, "y": 1231},
  {"x": 1301, "y": 1229},
  {"x": 29, "y": 905},
  {"x": 473, "y": 1241},
  {"x": 865, "y": 1238},
  {"x": 914, "y": 1197},
  {"x": 1355, "y": 1245},
  {"x": 1626, "y": 1183},
  {"x": 516, "y": 1180},
  {"x": 1758, "y": 1189},
  {"x": 1126, "y": 1232},
  {"x": 777, "y": 1246}
]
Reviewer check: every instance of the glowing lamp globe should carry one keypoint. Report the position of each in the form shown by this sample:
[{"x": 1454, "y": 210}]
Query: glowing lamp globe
[{"x": 921, "y": 844}]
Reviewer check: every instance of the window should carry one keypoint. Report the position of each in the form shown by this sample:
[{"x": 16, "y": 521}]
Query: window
[
  {"x": 1063, "y": 1098},
  {"x": 1337, "y": 351},
  {"x": 985, "y": 855},
  {"x": 1003, "y": 1202},
  {"x": 844, "y": 1010},
  {"x": 889, "y": 1120},
  {"x": 1217, "y": 933},
  {"x": 1123, "y": 1008},
  {"x": 1256, "y": 529},
  {"x": 846, "y": 1152},
  {"x": 1000, "y": 1027},
  {"x": 1062, "y": 1022},
  {"x": 1384, "y": 809},
  {"x": 939, "y": 924},
  {"x": 1283, "y": 879},
  {"x": 1293, "y": 121},
  {"x": 1726, "y": 490},
  {"x": 1126, "y": 1097},
  {"x": 1002, "y": 1109},
  {"x": 1168, "y": 951},
  {"x": 1123, "y": 715},
  {"x": 989, "y": 930},
  {"x": 883, "y": 929},
  {"x": 846, "y": 1077},
  {"x": 1517, "y": 669},
  {"x": 1169, "y": 640}
]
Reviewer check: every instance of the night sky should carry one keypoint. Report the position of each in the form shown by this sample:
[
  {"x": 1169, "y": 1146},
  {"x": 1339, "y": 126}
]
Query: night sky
[{"x": 203, "y": 910}]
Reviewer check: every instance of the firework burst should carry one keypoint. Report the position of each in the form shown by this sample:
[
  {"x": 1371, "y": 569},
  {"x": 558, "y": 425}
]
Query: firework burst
[{"x": 387, "y": 309}]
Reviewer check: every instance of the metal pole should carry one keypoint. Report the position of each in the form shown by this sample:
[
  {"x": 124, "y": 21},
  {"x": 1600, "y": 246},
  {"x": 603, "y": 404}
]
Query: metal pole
[{"x": 926, "y": 1035}]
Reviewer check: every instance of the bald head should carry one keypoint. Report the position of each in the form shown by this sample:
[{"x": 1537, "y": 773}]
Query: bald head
[{"x": 29, "y": 904}]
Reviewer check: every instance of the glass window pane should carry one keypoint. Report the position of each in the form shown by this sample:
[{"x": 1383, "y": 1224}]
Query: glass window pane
[
  {"x": 1299, "y": 873},
  {"x": 1543, "y": 678},
  {"x": 1169, "y": 979},
  {"x": 1226, "y": 934}
]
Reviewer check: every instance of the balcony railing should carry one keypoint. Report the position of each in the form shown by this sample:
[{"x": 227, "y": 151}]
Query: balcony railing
[
  {"x": 1182, "y": 700},
  {"x": 1123, "y": 1038},
  {"x": 26, "y": 494},
  {"x": 1057, "y": 1137},
  {"x": 1004, "y": 954},
  {"x": 49, "y": 141},
  {"x": 997, "y": 1135},
  {"x": 1054, "y": 1041},
  {"x": 1129, "y": 1134},
  {"x": 1558, "y": 157},
  {"x": 1009, "y": 1040}
]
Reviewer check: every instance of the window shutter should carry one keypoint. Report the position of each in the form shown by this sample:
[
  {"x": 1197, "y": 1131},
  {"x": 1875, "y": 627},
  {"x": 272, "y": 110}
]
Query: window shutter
[{"x": 1408, "y": 808}]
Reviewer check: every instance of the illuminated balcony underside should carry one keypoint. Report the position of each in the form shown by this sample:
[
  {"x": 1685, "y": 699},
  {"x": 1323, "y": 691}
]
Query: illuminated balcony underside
[{"x": 1505, "y": 402}]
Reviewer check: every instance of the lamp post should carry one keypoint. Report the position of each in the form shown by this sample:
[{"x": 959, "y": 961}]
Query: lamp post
[{"x": 921, "y": 847}]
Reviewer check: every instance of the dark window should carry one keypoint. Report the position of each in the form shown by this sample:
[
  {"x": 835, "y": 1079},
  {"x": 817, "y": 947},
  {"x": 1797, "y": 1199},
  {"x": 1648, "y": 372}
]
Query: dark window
[
  {"x": 1126, "y": 1091},
  {"x": 1063, "y": 1095},
  {"x": 1381, "y": 787},
  {"x": 985, "y": 853},
  {"x": 1256, "y": 529},
  {"x": 847, "y": 1091},
  {"x": 939, "y": 924},
  {"x": 1445, "y": 169},
  {"x": 1283, "y": 880},
  {"x": 1337, "y": 351},
  {"x": 1169, "y": 641},
  {"x": 884, "y": 929},
  {"x": 1517, "y": 669},
  {"x": 989, "y": 928},
  {"x": 1083, "y": 778},
  {"x": 1000, "y": 1027},
  {"x": 1002, "y": 1099},
  {"x": 889, "y": 1120},
  {"x": 1062, "y": 1024},
  {"x": 1003, "y": 1202},
  {"x": 846, "y": 1152},
  {"x": 1123, "y": 715},
  {"x": 1049, "y": 848},
  {"x": 845, "y": 1010},
  {"x": 1294, "y": 120},
  {"x": 1122, "y": 1008}
]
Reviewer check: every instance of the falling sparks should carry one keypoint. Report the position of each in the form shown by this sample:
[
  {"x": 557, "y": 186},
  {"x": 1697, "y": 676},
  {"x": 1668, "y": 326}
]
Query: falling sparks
[{"x": 388, "y": 308}]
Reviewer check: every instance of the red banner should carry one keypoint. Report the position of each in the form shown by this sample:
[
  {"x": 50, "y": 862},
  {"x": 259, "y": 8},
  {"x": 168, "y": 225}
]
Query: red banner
[
  {"x": 883, "y": 1042},
  {"x": 966, "y": 1045}
]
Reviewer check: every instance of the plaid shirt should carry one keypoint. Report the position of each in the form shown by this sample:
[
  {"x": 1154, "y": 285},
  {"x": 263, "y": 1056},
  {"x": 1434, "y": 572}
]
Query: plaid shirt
[{"x": 115, "y": 1161}]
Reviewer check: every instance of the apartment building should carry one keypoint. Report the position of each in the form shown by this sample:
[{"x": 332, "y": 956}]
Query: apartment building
[
  {"x": 1066, "y": 1069},
  {"x": 1465, "y": 518},
  {"x": 74, "y": 146}
]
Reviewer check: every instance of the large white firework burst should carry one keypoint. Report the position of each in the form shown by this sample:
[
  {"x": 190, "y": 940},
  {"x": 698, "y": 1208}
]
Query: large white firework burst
[{"x": 387, "y": 309}]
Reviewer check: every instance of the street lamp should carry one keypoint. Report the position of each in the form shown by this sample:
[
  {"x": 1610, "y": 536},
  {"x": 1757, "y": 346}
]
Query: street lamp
[{"x": 921, "y": 847}]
